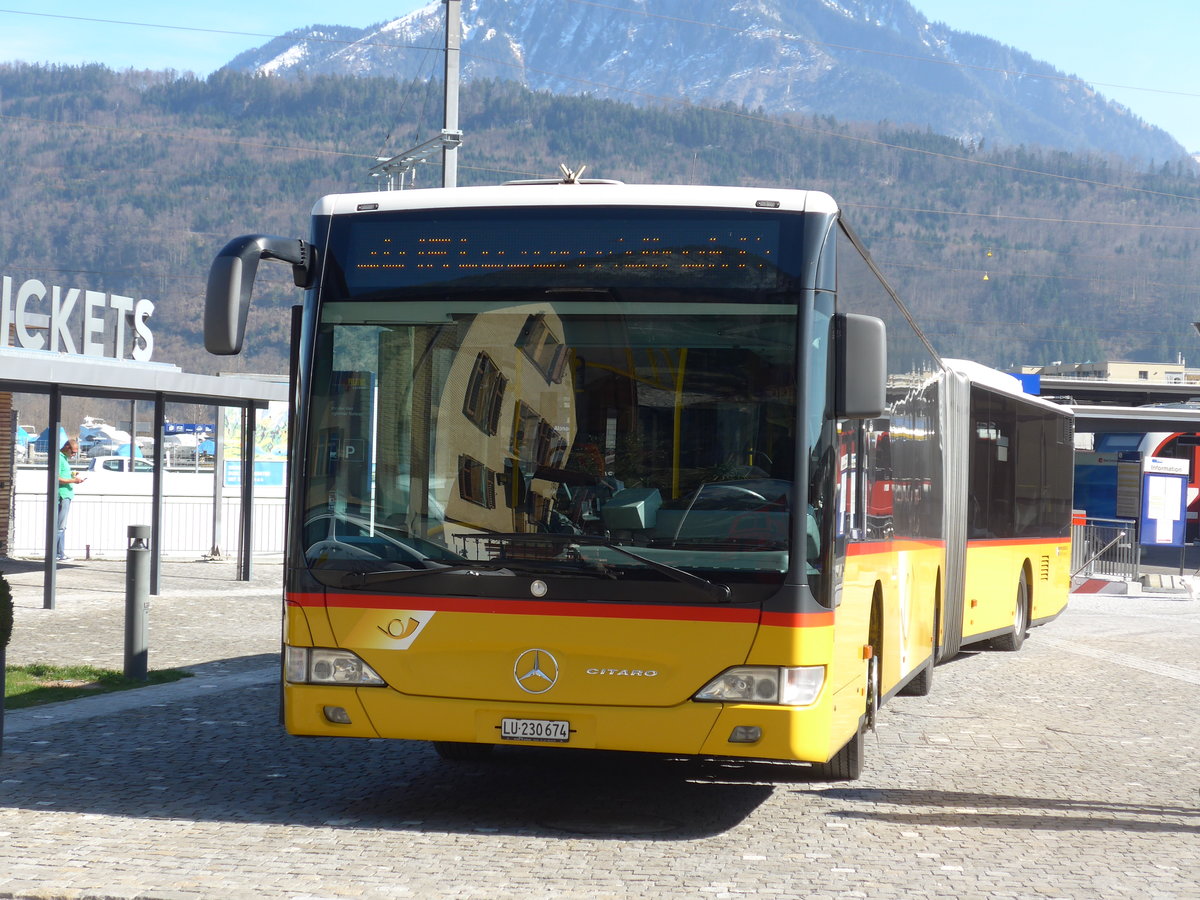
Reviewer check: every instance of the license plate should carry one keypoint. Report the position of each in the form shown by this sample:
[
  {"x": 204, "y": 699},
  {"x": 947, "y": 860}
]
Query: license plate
[{"x": 554, "y": 730}]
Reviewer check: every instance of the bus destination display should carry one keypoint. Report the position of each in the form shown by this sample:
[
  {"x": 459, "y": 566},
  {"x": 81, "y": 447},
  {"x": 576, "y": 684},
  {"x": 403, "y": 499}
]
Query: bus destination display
[{"x": 517, "y": 251}]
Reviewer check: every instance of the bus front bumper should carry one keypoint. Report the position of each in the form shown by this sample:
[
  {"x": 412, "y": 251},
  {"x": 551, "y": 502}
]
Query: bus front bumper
[{"x": 806, "y": 734}]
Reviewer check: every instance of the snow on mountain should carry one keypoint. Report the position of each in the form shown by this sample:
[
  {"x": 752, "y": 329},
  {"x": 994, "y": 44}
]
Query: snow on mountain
[{"x": 858, "y": 60}]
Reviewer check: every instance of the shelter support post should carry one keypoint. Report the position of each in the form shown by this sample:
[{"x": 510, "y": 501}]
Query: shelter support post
[
  {"x": 245, "y": 538},
  {"x": 156, "y": 507},
  {"x": 50, "y": 582},
  {"x": 218, "y": 517}
]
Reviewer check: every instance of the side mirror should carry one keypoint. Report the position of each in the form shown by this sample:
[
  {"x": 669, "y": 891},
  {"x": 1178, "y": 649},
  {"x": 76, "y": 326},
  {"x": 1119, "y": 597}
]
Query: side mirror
[
  {"x": 231, "y": 280},
  {"x": 860, "y": 376}
]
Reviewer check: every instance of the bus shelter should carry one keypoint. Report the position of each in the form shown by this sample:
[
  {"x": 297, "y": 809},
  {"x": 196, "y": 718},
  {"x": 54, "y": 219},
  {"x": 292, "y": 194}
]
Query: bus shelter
[{"x": 58, "y": 375}]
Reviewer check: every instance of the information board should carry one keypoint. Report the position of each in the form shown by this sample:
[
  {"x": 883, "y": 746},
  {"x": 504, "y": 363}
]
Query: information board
[{"x": 1164, "y": 509}]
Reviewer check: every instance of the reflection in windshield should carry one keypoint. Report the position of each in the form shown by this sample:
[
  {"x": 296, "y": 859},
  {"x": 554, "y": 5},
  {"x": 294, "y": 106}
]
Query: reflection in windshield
[{"x": 490, "y": 430}]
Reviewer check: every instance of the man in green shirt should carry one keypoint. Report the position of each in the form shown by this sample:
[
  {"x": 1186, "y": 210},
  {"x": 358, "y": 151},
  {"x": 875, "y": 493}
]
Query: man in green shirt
[{"x": 66, "y": 492}]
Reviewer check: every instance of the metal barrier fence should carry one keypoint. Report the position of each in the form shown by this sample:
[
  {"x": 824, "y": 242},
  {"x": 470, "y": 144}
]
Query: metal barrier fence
[
  {"x": 97, "y": 524},
  {"x": 1106, "y": 547}
]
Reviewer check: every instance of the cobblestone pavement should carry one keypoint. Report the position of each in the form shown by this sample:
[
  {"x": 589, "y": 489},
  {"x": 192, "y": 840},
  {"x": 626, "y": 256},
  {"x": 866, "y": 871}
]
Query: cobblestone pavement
[{"x": 1068, "y": 770}]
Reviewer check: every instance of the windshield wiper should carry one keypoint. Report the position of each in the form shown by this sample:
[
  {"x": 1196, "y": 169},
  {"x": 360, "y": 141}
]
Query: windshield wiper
[
  {"x": 473, "y": 567},
  {"x": 509, "y": 566},
  {"x": 718, "y": 592},
  {"x": 477, "y": 567}
]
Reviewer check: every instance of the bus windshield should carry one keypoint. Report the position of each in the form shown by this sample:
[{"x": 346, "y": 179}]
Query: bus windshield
[{"x": 580, "y": 437}]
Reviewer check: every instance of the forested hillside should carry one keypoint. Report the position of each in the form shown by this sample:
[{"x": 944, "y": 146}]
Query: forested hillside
[{"x": 130, "y": 182}]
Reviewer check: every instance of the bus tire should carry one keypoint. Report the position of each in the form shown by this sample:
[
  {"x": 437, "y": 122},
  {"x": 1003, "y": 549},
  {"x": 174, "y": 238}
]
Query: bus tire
[
  {"x": 922, "y": 684},
  {"x": 847, "y": 763},
  {"x": 874, "y": 697},
  {"x": 1016, "y": 637},
  {"x": 456, "y": 751}
]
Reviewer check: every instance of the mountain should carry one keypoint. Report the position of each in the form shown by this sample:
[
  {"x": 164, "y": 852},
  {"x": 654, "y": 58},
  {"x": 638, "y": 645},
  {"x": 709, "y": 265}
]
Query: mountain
[
  {"x": 129, "y": 183},
  {"x": 856, "y": 60}
]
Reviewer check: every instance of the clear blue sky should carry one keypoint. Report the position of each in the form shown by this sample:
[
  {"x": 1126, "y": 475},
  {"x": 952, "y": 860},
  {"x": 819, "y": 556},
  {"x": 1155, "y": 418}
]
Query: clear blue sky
[
  {"x": 1149, "y": 47},
  {"x": 42, "y": 30}
]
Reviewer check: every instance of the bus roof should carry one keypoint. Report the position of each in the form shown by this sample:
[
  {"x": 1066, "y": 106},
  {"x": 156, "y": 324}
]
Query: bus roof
[
  {"x": 579, "y": 194},
  {"x": 1002, "y": 382}
]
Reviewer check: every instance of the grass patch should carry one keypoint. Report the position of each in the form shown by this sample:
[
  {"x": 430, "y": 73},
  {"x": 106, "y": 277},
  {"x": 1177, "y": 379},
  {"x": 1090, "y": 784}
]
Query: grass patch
[{"x": 35, "y": 684}]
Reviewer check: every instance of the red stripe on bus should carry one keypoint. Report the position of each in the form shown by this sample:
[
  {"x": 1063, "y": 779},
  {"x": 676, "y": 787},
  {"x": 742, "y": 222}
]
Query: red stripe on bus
[
  {"x": 1015, "y": 542},
  {"x": 879, "y": 548},
  {"x": 871, "y": 548},
  {"x": 529, "y": 607},
  {"x": 798, "y": 620},
  {"x": 581, "y": 610}
]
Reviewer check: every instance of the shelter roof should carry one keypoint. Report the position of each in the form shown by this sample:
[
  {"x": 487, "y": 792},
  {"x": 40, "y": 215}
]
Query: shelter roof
[{"x": 36, "y": 371}]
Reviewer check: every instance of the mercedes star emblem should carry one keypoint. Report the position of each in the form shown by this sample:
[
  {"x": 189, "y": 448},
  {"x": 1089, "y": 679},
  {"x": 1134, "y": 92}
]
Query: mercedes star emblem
[{"x": 536, "y": 671}]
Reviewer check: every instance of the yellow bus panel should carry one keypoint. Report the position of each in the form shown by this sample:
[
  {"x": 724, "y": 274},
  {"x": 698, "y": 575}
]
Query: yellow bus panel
[{"x": 994, "y": 572}]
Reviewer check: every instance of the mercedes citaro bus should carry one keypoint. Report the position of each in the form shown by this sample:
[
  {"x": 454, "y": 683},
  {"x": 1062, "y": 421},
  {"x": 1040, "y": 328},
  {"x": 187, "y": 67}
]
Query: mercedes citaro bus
[{"x": 652, "y": 468}]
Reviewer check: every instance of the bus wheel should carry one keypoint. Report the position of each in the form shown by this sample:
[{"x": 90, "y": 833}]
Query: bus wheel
[
  {"x": 847, "y": 763},
  {"x": 455, "y": 751},
  {"x": 873, "y": 689},
  {"x": 922, "y": 684},
  {"x": 1014, "y": 640}
]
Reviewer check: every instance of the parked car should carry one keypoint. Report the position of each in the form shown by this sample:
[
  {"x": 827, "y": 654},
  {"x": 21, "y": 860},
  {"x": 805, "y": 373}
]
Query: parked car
[{"x": 118, "y": 464}]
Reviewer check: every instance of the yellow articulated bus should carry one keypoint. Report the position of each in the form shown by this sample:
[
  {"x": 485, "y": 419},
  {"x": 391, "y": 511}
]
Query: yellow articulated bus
[{"x": 651, "y": 468}]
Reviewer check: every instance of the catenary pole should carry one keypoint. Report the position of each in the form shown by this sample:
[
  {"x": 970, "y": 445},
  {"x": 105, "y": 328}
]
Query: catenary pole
[{"x": 450, "y": 115}]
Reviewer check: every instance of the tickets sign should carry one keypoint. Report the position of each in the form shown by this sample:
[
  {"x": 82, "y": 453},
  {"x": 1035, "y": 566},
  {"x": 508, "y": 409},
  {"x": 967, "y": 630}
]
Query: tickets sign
[{"x": 74, "y": 320}]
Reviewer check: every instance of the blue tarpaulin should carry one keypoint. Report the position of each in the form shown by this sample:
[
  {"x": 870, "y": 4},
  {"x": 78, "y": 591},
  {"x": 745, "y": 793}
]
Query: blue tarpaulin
[{"x": 40, "y": 445}]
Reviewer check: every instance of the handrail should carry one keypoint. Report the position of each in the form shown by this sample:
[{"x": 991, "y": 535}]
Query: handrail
[{"x": 1095, "y": 556}]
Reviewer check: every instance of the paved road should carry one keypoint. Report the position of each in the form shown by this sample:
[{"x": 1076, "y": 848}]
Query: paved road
[{"x": 1068, "y": 770}]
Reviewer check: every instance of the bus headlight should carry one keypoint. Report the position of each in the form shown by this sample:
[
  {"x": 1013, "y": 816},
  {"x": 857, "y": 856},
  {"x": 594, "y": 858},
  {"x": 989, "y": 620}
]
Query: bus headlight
[
  {"x": 780, "y": 685},
  {"x": 322, "y": 665}
]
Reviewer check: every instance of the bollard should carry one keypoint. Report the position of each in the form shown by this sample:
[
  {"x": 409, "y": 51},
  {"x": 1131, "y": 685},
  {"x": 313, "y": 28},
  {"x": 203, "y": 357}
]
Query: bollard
[{"x": 137, "y": 601}]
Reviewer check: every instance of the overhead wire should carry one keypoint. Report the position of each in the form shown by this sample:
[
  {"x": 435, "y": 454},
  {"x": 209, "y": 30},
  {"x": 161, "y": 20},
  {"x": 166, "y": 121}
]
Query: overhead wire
[
  {"x": 136, "y": 130},
  {"x": 193, "y": 28},
  {"x": 1010, "y": 217},
  {"x": 998, "y": 251},
  {"x": 999, "y": 273},
  {"x": 412, "y": 87}
]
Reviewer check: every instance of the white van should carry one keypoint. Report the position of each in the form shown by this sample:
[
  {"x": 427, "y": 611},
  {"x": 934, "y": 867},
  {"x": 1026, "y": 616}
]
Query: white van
[{"x": 118, "y": 464}]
